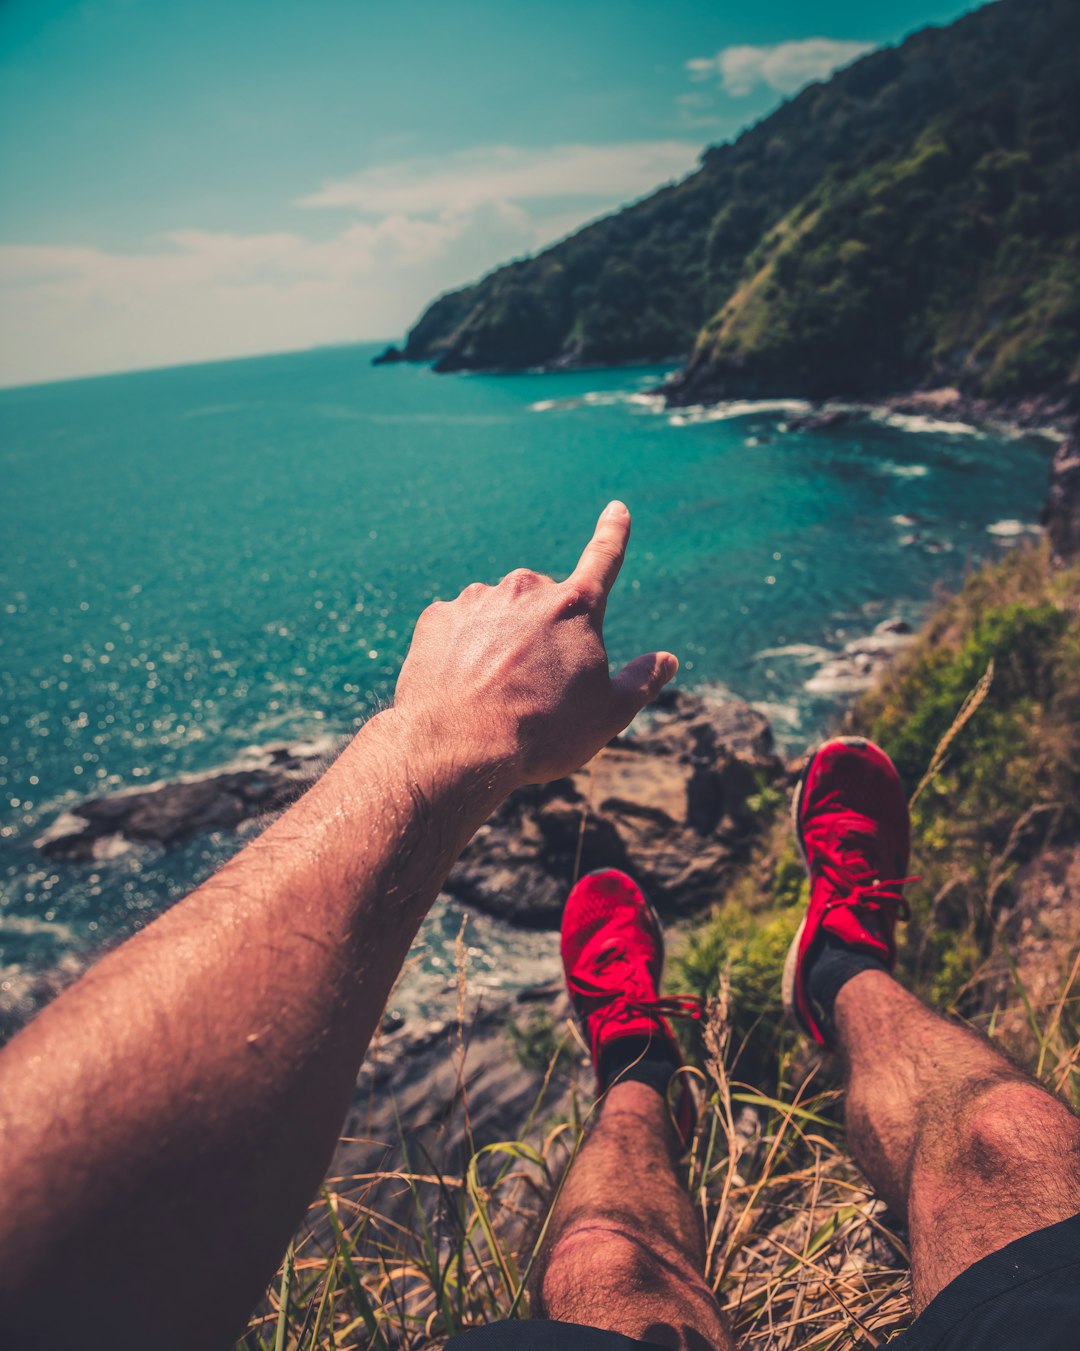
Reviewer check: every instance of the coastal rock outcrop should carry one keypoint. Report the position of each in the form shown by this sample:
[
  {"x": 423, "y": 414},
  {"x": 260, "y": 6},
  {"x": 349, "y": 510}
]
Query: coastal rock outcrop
[
  {"x": 1061, "y": 514},
  {"x": 427, "y": 1097},
  {"x": 674, "y": 804},
  {"x": 264, "y": 780},
  {"x": 862, "y": 660}
]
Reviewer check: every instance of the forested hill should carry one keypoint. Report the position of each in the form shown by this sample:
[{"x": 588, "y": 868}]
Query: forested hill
[{"x": 913, "y": 221}]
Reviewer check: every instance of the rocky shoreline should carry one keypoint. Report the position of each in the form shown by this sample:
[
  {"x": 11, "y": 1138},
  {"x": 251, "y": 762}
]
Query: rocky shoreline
[
  {"x": 673, "y": 801},
  {"x": 1051, "y": 416},
  {"x": 264, "y": 780},
  {"x": 434, "y": 1085}
]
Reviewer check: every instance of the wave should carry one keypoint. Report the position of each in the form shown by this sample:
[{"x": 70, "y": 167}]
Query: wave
[
  {"x": 922, "y": 422},
  {"x": 602, "y": 398},
  {"x": 807, "y": 653},
  {"x": 30, "y": 926},
  {"x": 734, "y": 408},
  {"x": 1011, "y": 529},
  {"x": 903, "y": 470}
]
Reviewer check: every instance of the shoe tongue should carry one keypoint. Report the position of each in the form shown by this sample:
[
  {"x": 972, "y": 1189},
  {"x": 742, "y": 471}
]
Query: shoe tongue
[
  {"x": 606, "y": 956},
  {"x": 854, "y": 842}
]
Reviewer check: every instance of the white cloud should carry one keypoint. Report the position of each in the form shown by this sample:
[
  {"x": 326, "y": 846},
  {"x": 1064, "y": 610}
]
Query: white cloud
[
  {"x": 785, "y": 66},
  {"x": 509, "y": 173},
  {"x": 415, "y": 228},
  {"x": 195, "y": 295}
]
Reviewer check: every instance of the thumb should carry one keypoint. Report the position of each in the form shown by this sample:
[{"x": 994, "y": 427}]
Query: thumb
[{"x": 641, "y": 680}]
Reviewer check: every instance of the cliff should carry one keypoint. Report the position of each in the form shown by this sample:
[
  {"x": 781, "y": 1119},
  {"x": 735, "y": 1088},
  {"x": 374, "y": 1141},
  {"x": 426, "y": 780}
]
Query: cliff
[{"x": 914, "y": 221}]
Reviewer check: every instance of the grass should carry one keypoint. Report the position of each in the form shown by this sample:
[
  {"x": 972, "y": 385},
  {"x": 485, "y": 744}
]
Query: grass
[{"x": 800, "y": 1253}]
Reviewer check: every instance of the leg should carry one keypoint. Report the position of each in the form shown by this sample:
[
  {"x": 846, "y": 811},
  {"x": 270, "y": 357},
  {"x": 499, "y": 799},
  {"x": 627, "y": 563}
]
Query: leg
[
  {"x": 625, "y": 1250},
  {"x": 971, "y": 1150}
]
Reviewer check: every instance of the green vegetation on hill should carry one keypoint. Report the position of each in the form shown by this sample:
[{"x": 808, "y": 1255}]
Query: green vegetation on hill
[
  {"x": 914, "y": 220},
  {"x": 1007, "y": 784}
]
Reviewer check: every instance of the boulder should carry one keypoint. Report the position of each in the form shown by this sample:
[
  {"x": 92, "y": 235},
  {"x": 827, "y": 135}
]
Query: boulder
[
  {"x": 264, "y": 780},
  {"x": 669, "y": 802},
  {"x": 862, "y": 660},
  {"x": 1061, "y": 514},
  {"x": 824, "y": 418}
]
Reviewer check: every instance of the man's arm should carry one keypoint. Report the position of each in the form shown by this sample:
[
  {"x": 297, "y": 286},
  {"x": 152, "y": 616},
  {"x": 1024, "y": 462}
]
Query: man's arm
[{"x": 164, "y": 1123}]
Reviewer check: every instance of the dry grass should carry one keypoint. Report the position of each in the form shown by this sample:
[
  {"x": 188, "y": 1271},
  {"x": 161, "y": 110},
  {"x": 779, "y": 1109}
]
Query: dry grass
[{"x": 799, "y": 1252}]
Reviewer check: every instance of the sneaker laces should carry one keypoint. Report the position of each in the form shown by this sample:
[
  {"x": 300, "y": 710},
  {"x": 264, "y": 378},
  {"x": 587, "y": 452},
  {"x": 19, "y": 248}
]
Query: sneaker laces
[
  {"x": 855, "y": 882},
  {"x": 611, "y": 1005},
  {"x": 864, "y": 890}
]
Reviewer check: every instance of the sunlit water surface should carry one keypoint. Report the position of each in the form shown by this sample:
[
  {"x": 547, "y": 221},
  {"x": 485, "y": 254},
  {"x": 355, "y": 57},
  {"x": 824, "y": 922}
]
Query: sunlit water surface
[{"x": 197, "y": 559}]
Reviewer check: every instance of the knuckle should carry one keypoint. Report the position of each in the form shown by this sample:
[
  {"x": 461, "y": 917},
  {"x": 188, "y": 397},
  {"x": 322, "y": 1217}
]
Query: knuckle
[
  {"x": 576, "y": 596},
  {"x": 521, "y": 579},
  {"x": 473, "y": 590}
]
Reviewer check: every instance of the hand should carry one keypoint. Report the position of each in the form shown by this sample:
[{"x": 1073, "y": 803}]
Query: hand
[{"x": 515, "y": 676}]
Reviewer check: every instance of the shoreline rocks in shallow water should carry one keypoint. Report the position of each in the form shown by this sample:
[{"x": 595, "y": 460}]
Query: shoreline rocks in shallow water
[
  {"x": 671, "y": 804},
  {"x": 943, "y": 410},
  {"x": 265, "y": 780},
  {"x": 862, "y": 660},
  {"x": 389, "y": 356}
]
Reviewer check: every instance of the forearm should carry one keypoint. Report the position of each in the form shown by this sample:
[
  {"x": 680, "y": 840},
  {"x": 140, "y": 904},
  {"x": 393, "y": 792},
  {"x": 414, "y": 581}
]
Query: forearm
[
  {"x": 164, "y": 1123},
  {"x": 196, "y": 1079}
]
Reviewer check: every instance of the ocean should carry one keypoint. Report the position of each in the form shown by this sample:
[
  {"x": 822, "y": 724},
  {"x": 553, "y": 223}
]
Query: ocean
[{"x": 202, "y": 558}]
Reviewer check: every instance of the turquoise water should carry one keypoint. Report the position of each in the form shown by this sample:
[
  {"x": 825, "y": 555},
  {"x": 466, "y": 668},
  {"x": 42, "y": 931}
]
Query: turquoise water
[{"x": 201, "y": 558}]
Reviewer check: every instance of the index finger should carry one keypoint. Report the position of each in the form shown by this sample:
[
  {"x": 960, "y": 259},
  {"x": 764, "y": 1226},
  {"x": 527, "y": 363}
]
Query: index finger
[{"x": 603, "y": 556}]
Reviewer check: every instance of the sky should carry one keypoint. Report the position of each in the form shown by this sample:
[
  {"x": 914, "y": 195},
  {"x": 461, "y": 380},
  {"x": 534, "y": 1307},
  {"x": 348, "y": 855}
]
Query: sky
[{"x": 192, "y": 180}]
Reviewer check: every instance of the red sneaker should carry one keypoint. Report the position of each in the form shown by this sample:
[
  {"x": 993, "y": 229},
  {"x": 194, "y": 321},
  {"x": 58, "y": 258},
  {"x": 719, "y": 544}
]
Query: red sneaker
[
  {"x": 851, "y": 822},
  {"x": 613, "y": 955}
]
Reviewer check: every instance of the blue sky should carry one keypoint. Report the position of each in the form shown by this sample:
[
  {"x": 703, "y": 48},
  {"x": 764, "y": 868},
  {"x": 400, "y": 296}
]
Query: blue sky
[{"x": 193, "y": 179}]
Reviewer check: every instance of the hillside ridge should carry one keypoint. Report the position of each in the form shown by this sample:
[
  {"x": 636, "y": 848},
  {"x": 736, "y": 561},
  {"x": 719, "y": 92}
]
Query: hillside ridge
[{"x": 912, "y": 222}]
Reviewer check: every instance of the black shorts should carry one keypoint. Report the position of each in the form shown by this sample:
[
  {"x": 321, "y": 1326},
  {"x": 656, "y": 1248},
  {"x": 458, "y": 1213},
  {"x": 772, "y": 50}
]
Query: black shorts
[{"x": 1024, "y": 1297}]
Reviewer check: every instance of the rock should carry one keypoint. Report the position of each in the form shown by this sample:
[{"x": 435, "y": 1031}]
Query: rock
[
  {"x": 1037, "y": 413},
  {"x": 824, "y": 419},
  {"x": 264, "y": 780},
  {"x": 667, "y": 803},
  {"x": 862, "y": 660},
  {"x": 389, "y": 356},
  {"x": 1061, "y": 514},
  {"x": 428, "y": 1097},
  {"x": 1039, "y": 932}
]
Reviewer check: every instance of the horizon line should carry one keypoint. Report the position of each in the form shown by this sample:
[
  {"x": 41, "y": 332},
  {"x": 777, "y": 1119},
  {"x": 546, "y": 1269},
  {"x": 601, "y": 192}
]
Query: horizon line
[{"x": 49, "y": 381}]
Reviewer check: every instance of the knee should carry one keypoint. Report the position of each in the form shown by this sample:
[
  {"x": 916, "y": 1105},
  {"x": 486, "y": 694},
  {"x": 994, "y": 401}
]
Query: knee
[
  {"x": 600, "y": 1255},
  {"x": 1014, "y": 1124}
]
